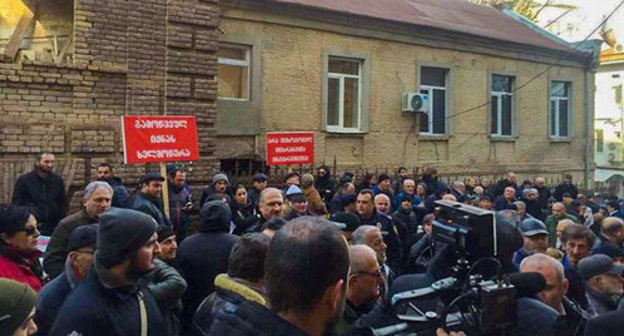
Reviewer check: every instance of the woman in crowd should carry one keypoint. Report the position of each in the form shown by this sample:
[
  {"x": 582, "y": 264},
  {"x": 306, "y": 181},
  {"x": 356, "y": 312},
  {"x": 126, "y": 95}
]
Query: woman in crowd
[
  {"x": 19, "y": 256},
  {"x": 243, "y": 209},
  {"x": 17, "y": 309}
]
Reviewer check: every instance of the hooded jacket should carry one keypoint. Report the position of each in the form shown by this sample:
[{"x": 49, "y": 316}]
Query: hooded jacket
[
  {"x": 229, "y": 293},
  {"x": 94, "y": 309},
  {"x": 252, "y": 319},
  {"x": 204, "y": 255}
]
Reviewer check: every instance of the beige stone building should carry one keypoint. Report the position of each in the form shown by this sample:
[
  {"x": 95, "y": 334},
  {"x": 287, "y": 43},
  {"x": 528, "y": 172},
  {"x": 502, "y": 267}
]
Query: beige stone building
[{"x": 502, "y": 95}]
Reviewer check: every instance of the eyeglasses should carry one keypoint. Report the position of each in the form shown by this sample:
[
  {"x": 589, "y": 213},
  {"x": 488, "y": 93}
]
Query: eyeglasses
[
  {"x": 378, "y": 273},
  {"x": 30, "y": 230}
]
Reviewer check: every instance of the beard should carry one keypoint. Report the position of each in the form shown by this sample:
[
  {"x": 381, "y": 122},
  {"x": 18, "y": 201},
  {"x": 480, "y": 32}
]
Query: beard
[{"x": 44, "y": 170}]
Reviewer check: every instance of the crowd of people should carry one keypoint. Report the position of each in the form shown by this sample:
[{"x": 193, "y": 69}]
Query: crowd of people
[{"x": 317, "y": 256}]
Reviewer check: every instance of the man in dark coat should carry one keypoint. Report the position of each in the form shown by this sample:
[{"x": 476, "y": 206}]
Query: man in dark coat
[
  {"x": 259, "y": 182},
  {"x": 110, "y": 301},
  {"x": 147, "y": 200},
  {"x": 325, "y": 184},
  {"x": 369, "y": 216},
  {"x": 566, "y": 187},
  {"x": 81, "y": 246},
  {"x": 508, "y": 181},
  {"x": 120, "y": 193},
  {"x": 204, "y": 255},
  {"x": 306, "y": 269},
  {"x": 180, "y": 203},
  {"x": 96, "y": 200},
  {"x": 44, "y": 192},
  {"x": 243, "y": 282}
]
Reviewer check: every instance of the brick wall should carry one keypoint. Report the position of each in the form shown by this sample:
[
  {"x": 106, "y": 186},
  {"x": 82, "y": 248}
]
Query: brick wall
[{"x": 129, "y": 57}]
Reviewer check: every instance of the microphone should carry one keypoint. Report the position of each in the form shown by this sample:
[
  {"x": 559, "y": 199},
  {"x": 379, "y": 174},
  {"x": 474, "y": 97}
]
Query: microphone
[{"x": 527, "y": 284}]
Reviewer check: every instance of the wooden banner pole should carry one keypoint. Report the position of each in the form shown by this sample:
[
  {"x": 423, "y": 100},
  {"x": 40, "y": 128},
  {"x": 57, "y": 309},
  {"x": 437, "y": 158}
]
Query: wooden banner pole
[{"x": 165, "y": 189}]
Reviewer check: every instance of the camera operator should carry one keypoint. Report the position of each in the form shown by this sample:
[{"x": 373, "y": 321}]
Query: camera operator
[
  {"x": 365, "y": 283},
  {"x": 571, "y": 320},
  {"x": 306, "y": 269}
]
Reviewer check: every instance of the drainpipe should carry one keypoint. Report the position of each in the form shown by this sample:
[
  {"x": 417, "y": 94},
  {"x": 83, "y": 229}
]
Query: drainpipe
[{"x": 588, "y": 121}]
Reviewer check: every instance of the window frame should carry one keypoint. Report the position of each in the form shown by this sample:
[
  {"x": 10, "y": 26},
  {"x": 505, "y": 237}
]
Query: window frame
[
  {"x": 429, "y": 89},
  {"x": 499, "y": 95},
  {"x": 571, "y": 113},
  {"x": 341, "y": 91},
  {"x": 237, "y": 63},
  {"x": 363, "y": 91}
]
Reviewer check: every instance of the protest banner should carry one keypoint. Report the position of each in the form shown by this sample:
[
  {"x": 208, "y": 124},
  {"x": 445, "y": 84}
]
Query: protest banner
[
  {"x": 159, "y": 138},
  {"x": 287, "y": 148}
]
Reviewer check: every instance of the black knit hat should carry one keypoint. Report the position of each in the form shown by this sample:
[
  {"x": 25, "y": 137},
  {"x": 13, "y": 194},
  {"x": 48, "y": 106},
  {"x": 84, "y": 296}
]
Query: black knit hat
[
  {"x": 164, "y": 232},
  {"x": 215, "y": 216},
  {"x": 82, "y": 236},
  {"x": 16, "y": 302},
  {"x": 383, "y": 177},
  {"x": 351, "y": 220},
  {"x": 122, "y": 232}
]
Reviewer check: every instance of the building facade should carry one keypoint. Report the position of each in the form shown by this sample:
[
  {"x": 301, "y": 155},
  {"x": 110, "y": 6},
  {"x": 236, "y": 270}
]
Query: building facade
[
  {"x": 502, "y": 96},
  {"x": 69, "y": 69},
  {"x": 609, "y": 122}
]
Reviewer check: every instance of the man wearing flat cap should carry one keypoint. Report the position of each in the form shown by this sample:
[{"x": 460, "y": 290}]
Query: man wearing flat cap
[
  {"x": 147, "y": 200},
  {"x": 603, "y": 280},
  {"x": 110, "y": 301},
  {"x": 259, "y": 182},
  {"x": 535, "y": 239},
  {"x": 80, "y": 248}
]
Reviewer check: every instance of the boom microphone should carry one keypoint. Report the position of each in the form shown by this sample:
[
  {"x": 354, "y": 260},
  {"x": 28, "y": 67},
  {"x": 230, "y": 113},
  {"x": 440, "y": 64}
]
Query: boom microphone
[{"x": 528, "y": 284}]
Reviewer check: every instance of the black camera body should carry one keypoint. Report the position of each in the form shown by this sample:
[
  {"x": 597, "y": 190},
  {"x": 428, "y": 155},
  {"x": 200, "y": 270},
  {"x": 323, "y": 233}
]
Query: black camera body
[{"x": 465, "y": 300}]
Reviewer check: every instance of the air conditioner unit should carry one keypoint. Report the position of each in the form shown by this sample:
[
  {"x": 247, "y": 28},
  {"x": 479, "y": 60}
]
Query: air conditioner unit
[{"x": 415, "y": 102}]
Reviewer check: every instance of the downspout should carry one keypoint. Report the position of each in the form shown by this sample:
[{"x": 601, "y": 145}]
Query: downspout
[{"x": 588, "y": 120}]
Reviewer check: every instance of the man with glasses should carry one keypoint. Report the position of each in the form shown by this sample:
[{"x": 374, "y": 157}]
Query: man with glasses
[
  {"x": 81, "y": 246},
  {"x": 365, "y": 284}
]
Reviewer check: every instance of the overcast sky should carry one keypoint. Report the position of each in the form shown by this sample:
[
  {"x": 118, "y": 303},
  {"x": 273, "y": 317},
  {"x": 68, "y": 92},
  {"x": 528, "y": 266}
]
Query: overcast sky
[{"x": 577, "y": 24}]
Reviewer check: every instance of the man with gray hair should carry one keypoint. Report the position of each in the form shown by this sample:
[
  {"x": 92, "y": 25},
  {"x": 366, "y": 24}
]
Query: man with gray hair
[
  {"x": 96, "y": 199},
  {"x": 371, "y": 236},
  {"x": 571, "y": 320},
  {"x": 365, "y": 282}
]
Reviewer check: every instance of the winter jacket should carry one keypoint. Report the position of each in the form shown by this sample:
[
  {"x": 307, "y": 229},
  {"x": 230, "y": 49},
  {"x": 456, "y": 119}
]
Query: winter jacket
[
  {"x": 44, "y": 195},
  {"x": 120, "y": 193},
  {"x": 228, "y": 294},
  {"x": 201, "y": 258},
  {"x": 253, "y": 195},
  {"x": 551, "y": 225},
  {"x": 252, "y": 319},
  {"x": 21, "y": 268},
  {"x": 391, "y": 238},
  {"x": 565, "y": 188},
  {"x": 56, "y": 252},
  {"x": 434, "y": 186},
  {"x": 167, "y": 287},
  {"x": 51, "y": 298},
  {"x": 502, "y": 203},
  {"x": 408, "y": 220},
  {"x": 315, "y": 203},
  {"x": 243, "y": 217},
  {"x": 94, "y": 309},
  {"x": 499, "y": 189},
  {"x": 326, "y": 187},
  {"x": 178, "y": 198},
  {"x": 153, "y": 207}
]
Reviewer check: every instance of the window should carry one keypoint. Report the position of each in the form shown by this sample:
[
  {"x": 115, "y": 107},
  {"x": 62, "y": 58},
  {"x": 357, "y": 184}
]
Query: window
[
  {"x": 233, "y": 72},
  {"x": 433, "y": 83},
  {"x": 599, "y": 140},
  {"x": 559, "y": 109},
  {"x": 344, "y": 94},
  {"x": 501, "y": 106}
]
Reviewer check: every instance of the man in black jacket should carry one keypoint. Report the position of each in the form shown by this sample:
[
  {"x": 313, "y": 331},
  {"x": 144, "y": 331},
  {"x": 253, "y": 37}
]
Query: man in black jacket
[
  {"x": 306, "y": 270},
  {"x": 244, "y": 281},
  {"x": 369, "y": 216},
  {"x": 147, "y": 200},
  {"x": 120, "y": 194},
  {"x": 109, "y": 301},
  {"x": 44, "y": 192},
  {"x": 204, "y": 255}
]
